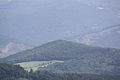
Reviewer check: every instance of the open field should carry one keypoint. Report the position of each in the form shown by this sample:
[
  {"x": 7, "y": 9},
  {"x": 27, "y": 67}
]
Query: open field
[{"x": 37, "y": 64}]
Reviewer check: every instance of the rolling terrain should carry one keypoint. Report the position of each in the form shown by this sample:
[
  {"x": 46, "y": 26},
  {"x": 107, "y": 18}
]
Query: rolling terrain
[
  {"x": 10, "y": 46},
  {"x": 108, "y": 37},
  {"x": 15, "y": 72},
  {"x": 55, "y": 19},
  {"x": 77, "y": 57},
  {"x": 74, "y": 39}
]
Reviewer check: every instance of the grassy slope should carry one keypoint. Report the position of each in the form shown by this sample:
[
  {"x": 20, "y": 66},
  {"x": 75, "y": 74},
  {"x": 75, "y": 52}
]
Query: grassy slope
[{"x": 37, "y": 64}]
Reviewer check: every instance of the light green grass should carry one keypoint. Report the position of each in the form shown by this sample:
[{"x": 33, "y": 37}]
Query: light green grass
[{"x": 37, "y": 64}]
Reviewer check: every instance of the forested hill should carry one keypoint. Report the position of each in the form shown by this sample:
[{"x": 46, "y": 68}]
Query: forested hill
[
  {"x": 63, "y": 50},
  {"x": 12, "y": 72},
  {"x": 75, "y": 57}
]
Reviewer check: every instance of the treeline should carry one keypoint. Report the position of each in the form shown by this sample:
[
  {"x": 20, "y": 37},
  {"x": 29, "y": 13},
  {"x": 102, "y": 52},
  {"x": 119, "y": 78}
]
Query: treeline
[
  {"x": 15, "y": 72},
  {"x": 63, "y": 76},
  {"x": 65, "y": 50},
  {"x": 70, "y": 76},
  {"x": 77, "y": 57},
  {"x": 11, "y": 72}
]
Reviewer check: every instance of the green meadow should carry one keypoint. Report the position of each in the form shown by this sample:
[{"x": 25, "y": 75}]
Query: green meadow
[{"x": 34, "y": 65}]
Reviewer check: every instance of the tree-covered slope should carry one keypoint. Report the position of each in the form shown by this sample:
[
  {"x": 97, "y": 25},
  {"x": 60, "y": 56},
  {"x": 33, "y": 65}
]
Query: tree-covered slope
[
  {"x": 77, "y": 57},
  {"x": 98, "y": 66},
  {"x": 12, "y": 72},
  {"x": 9, "y": 72},
  {"x": 61, "y": 50}
]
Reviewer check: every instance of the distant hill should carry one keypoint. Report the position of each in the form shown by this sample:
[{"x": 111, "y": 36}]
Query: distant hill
[
  {"x": 56, "y": 19},
  {"x": 77, "y": 57},
  {"x": 4, "y": 40},
  {"x": 9, "y": 46},
  {"x": 108, "y": 37}
]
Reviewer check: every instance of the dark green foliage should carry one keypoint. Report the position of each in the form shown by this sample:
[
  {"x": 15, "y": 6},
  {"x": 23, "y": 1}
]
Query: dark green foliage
[
  {"x": 62, "y": 50},
  {"x": 9, "y": 71},
  {"x": 15, "y": 79},
  {"x": 83, "y": 66},
  {"x": 77, "y": 57},
  {"x": 12, "y": 72}
]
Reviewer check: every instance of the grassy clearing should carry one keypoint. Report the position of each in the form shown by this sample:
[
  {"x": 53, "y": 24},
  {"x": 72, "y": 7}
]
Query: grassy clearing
[{"x": 37, "y": 64}]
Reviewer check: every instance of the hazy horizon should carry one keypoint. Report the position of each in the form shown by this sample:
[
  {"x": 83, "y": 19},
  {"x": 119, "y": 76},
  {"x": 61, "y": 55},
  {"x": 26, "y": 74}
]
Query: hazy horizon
[{"x": 40, "y": 21}]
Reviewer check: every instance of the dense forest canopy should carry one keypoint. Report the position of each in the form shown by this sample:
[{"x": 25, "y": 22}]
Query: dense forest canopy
[{"x": 15, "y": 72}]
